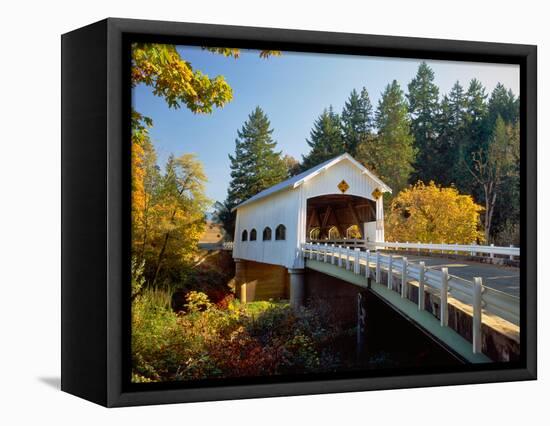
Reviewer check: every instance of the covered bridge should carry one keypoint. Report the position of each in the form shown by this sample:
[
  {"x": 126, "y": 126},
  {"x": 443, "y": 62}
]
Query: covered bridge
[{"x": 337, "y": 199}]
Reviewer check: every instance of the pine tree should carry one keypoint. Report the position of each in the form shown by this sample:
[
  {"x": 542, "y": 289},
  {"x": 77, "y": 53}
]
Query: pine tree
[
  {"x": 395, "y": 152},
  {"x": 475, "y": 136},
  {"x": 451, "y": 130},
  {"x": 423, "y": 100},
  {"x": 255, "y": 166},
  {"x": 326, "y": 140},
  {"x": 504, "y": 103},
  {"x": 357, "y": 120}
]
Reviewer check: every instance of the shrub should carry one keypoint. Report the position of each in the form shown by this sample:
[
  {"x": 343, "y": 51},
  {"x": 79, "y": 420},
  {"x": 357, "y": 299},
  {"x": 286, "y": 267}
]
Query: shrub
[{"x": 224, "y": 340}]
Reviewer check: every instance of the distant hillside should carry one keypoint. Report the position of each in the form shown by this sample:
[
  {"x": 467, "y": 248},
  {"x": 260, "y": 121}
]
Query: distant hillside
[{"x": 213, "y": 235}]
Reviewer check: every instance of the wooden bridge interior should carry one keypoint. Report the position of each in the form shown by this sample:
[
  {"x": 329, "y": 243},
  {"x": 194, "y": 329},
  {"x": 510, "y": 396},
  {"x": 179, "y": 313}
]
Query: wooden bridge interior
[{"x": 337, "y": 216}]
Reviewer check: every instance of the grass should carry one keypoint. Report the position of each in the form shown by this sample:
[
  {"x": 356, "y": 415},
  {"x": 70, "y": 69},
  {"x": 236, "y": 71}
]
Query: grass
[{"x": 258, "y": 307}]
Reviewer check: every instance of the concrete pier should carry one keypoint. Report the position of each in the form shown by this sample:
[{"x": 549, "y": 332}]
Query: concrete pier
[{"x": 297, "y": 287}]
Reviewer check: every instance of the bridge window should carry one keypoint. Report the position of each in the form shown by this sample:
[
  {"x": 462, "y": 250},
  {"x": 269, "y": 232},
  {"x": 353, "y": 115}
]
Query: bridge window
[
  {"x": 353, "y": 232},
  {"x": 253, "y": 235},
  {"x": 333, "y": 233},
  {"x": 267, "y": 234},
  {"x": 280, "y": 232},
  {"x": 315, "y": 233},
  {"x": 244, "y": 235}
]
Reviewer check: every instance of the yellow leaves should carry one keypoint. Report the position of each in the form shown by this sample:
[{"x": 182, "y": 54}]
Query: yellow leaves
[
  {"x": 171, "y": 77},
  {"x": 161, "y": 67},
  {"x": 430, "y": 213}
]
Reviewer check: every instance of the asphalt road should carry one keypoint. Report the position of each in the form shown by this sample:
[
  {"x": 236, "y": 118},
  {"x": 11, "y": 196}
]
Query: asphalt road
[{"x": 503, "y": 278}]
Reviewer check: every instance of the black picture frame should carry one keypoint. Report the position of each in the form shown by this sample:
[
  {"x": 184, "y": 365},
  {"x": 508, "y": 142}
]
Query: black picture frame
[{"x": 96, "y": 203}]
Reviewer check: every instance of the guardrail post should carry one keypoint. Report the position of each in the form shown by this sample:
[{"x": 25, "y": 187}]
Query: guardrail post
[
  {"x": 367, "y": 269},
  {"x": 325, "y": 252},
  {"x": 421, "y": 283},
  {"x": 318, "y": 251},
  {"x": 404, "y": 278},
  {"x": 511, "y": 256},
  {"x": 492, "y": 254},
  {"x": 390, "y": 272},
  {"x": 443, "y": 295},
  {"x": 473, "y": 253},
  {"x": 356, "y": 264},
  {"x": 456, "y": 251},
  {"x": 339, "y": 251},
  {"x": 418, "y": 247},
  {"x": 347, "y": 257},
  {"x": 332, "y": 254},
  {"x": 377, "y": 267},
  {"x": 476, "y": 323}
]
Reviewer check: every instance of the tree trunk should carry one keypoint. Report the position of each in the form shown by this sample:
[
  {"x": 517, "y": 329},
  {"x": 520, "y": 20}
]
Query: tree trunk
[{"x": 159, "y": 261}]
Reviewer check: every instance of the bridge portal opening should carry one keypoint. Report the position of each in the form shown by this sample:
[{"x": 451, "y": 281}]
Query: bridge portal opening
[{"x": 336, "y": 217}]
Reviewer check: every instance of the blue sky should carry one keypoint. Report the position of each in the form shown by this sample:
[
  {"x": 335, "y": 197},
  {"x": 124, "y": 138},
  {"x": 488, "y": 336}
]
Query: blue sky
[{"x": 292, "y": 89}]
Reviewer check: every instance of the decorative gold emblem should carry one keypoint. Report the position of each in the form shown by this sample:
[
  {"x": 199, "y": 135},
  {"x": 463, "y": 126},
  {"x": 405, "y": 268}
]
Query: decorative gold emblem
[
  {"x": 343, "y": 186},
  {"x": 376, "y": 194}
]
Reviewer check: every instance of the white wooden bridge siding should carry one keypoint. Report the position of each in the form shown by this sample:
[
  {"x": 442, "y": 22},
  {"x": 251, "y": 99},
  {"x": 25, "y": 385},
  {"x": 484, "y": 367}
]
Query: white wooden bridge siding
[
  {"x": 279, "y": 208},
  {"x": 289, "y": 207},
  {"x": 325, "y": 183}
]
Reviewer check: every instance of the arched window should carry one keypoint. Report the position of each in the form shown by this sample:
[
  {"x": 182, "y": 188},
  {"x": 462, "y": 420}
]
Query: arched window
[
  {"x": 333, "y": 233},
  {"x": 353, "y": 232},
  {"x": 267, "y": 234},
  {"x": 280, "y": 232},
  {"x": 315, "y": 233},
  {"x": 253, "y": 235},
  {"x": 244, "y": 236}
]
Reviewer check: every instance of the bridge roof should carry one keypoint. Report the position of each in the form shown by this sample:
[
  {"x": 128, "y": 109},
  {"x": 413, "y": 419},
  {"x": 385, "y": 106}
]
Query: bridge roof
[{"x": 303, "y": 177}]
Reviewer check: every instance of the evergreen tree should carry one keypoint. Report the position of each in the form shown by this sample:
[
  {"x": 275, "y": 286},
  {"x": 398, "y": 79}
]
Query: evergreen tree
[
  {"x": 357, "y": 120},
  {"x": 395, "y": 152},
  {"x": 326, "y": 140},
  {"x": 475, "y": 136},
  {"x": 504, "y": 103},
  {"x": 423, "y": 99},
  {"x": 255, "y": 166},
  {"x": 505, "y": 223},
  {"x": 451, "y": 130},
  {"x": 476, "y": 112}
]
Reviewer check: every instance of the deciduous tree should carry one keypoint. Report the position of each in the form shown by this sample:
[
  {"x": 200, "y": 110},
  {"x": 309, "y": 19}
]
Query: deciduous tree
[
  {"x": 491, "y": 165},
  {"x": 171, "y": 77},
  {"x": 433, "y": 214},
  {"x": 180, "y": 207}
]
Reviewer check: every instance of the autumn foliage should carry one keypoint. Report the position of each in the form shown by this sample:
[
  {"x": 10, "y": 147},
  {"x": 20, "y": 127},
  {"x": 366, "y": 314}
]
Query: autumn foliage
[
  {"x": 433, "y": 214},
  {"x": 209, "y": 341}
]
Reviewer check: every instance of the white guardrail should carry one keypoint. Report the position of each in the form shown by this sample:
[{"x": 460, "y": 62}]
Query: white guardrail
[
  {"x": 440, "y": 282},
  {"x": 468, "y": 249}
]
